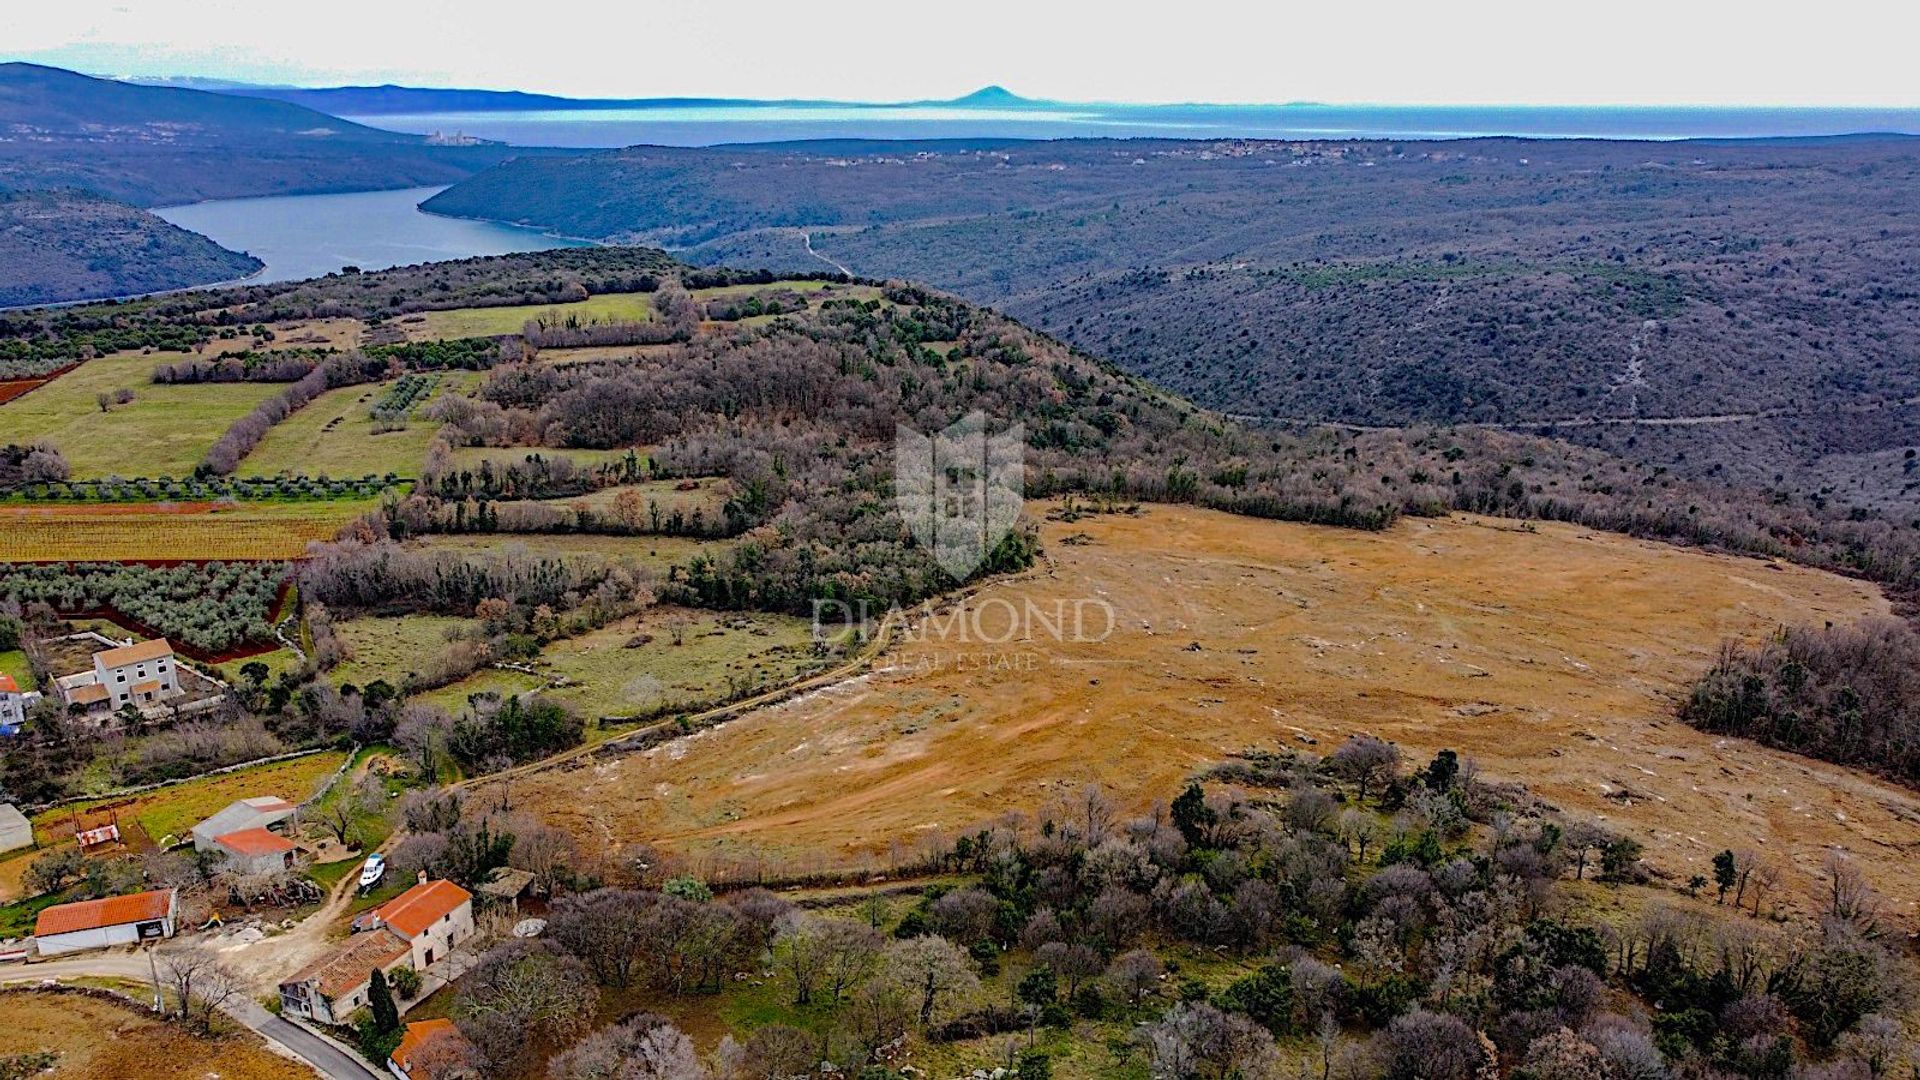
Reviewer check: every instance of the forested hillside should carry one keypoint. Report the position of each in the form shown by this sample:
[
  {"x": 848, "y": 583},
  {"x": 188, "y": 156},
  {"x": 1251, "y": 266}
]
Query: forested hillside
[
  {"x": 1732, "y": 310},
  {"x": 158, "y": 146},
  {"x": 68, "y": 245},
  {"x": 89, "y": 146}
]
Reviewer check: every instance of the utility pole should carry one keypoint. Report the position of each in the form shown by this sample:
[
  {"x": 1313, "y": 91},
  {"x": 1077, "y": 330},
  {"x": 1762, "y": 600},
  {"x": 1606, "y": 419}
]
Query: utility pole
[{"x": 153, "y": 965}]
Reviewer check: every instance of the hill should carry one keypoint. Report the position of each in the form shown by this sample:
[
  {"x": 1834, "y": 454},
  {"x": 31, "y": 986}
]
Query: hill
[
  {"x": 1729, "y": 310},
  {"x": 69, "y": 245},
  {"x": 160, "y": 145}
]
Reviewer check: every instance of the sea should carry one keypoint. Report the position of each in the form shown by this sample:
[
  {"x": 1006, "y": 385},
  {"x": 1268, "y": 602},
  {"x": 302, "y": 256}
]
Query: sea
[{"x": 309, "y": 235}]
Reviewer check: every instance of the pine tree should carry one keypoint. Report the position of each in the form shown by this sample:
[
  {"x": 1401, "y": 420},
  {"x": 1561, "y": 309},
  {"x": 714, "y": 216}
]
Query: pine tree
[{"x": 1724, "y": 873}]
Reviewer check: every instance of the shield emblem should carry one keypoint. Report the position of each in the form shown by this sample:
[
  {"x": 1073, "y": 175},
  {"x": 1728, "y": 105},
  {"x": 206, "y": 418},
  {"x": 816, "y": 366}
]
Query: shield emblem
[{"x": 959, "y": 489}]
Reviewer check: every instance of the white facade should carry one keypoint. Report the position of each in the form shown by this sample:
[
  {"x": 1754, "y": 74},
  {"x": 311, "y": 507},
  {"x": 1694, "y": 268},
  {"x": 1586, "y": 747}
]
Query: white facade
[
  {"x": 145, "y": 926},
  {"x": 138, "y": 680},
  {"x": 144, "y": 675},
  {"x": 436, "y": 942}
]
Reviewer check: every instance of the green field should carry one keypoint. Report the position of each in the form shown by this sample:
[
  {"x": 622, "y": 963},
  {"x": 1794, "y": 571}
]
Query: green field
[
  {"x": 709, "y": 497},
  {"x": 489, "y": 681},
  {"x": 389, "y": 647},
  {"x": 172, "y": 811},
  {"x": 721, "y": 657},
  {"x": 861, "y": 291},
  {"x": 493, "y": 321},
  {"x": 277, "y": 661},
  {"x": 14, "y": 662},
  {"x": 334, "y": 436},
  {"x": 651, "y": 553},
  {"x": 164, "y": 431}
]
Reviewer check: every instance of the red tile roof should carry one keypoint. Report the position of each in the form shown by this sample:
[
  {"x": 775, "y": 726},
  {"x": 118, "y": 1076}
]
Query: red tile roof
[
  {"x": 441, "y": 1035},
  {"x": 250, "y": 842},
  {"x": 7, "y": 685},
  {"x": 134, "y": 654},
  {"x": 96, "y": 914},
  {"x": 351, "y": 964},
  {"x": 413, "y": 911}
]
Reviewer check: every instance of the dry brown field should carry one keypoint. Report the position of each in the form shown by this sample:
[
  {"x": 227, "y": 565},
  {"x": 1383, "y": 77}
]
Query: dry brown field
[
  {"x": 104, "y": 1040},
  {"x": 1553, "y": 655}
]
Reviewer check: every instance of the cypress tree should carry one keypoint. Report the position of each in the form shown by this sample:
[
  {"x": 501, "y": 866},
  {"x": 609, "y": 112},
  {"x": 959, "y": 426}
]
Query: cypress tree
[{"x": 386, "y": 1015}]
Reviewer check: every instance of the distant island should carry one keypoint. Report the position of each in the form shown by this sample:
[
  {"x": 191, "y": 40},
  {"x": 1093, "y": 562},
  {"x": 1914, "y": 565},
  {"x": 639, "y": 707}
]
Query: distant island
[{"x": 389, "y": 100}]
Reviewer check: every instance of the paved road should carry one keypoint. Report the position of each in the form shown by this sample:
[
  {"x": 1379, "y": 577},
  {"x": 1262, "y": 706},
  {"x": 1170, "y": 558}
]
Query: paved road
[{"x": 326, "y": 1058}]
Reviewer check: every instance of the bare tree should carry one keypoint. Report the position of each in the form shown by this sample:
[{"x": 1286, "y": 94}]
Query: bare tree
[
  {"x": 521, "y": 992},
  {"x": 934, "y": 971},
  {"x": 642, "y": 1047},
  {"x": 199, "y": 983},
  {"x": 1365, "y": 761},
  {"x": 1136, "y": 974},
  {"x": 1849, "y": 896}
]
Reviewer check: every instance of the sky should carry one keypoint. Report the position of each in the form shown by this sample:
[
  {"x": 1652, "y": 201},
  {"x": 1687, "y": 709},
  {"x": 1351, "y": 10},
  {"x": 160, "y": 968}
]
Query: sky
[{"x": 1672, "y": 52}]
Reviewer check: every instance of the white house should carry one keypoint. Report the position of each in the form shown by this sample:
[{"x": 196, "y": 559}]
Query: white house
[
  {"x": 417, "y": 929},
  {"x": 432, "y": 917},
  {"x": 142, "y": 674},
  {"x": 97, "y": 924},
  {"x": 14, "y": 704}
]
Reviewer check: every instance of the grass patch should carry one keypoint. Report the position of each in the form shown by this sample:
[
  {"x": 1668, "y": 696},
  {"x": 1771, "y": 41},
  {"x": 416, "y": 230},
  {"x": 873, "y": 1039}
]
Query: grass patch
[
  {"x": 722, "y": 656},
  {"x": 494, "y": 321},
  {"x": 173, "y": 811},
  {"x": 709, "y": 498},
  {"x": 17, "y": 918},
  {"x": 14, "y": 662},
  {"x": 391, "y": 647},
  {"x": 453, "y": 698},
  {"x": 164, "y": 431},
  {"x": 277, "y": 661},
  {"x": 335, "y": 436},
  {"x": 654, "y": 554}
]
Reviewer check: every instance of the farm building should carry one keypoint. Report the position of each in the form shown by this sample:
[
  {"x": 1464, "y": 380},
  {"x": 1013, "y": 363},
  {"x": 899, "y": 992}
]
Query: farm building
[
  {"x": 15, "y": 831},
  {"x": 416, "y": 930},
  {"x": 430, "y": 1050},
  {"x": 255, "y": 851},
  {"x": 97, "y": 924},
  {"x": 258, "y": 812},
  {"x": 144, "y": 674}
]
